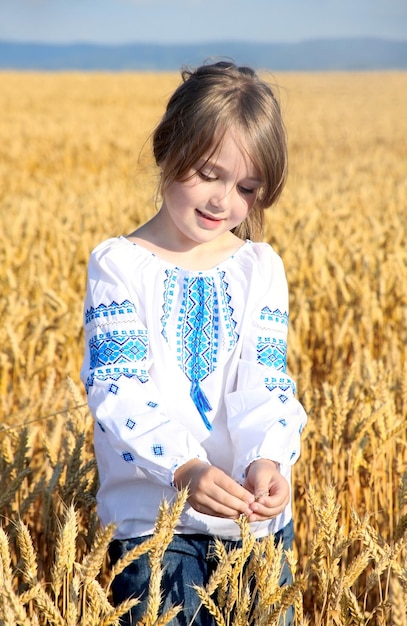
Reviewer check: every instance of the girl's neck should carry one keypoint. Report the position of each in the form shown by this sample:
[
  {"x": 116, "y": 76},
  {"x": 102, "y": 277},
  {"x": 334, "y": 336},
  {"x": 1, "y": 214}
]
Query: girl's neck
[{"x": 189, "y": 255}]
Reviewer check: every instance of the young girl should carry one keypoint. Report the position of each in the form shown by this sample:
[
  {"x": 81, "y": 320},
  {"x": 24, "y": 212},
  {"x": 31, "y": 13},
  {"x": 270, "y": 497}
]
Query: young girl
[{"x": 186, "y": 327}]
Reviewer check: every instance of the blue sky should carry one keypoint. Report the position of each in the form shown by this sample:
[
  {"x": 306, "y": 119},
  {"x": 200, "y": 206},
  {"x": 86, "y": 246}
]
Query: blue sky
[{"x": 185, "y": 21}]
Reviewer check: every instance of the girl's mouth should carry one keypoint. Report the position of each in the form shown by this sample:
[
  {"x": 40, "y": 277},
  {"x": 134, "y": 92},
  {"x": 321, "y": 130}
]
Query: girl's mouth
[{"x": 208, "y": 217}]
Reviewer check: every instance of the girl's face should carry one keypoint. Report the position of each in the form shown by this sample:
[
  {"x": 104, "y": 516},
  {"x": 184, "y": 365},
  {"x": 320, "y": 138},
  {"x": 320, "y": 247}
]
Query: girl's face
[{"x": 216, "y": 197}]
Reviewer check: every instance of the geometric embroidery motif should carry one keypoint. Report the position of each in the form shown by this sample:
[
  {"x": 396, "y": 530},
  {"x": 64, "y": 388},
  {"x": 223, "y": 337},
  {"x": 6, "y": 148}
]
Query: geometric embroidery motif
[
  {"x": 272, "y": 353},
  {"x": 198, "y": 327},
  {"x": 118, "y": 347},
  {"x": 157, "y": 449},
  {"x": 198, "y": 333},
  {"x": 127, "y": 456},
  {"x": 114, "y": 374},
  {"x": 228, "y": 311},
  {"x": 130, "y": 423},
  {"x": 274, "y": 316},
  {"x": 110, "y": 310},
  {"x": 282, "y": 384},
  {"x": 169, "y": 287}
]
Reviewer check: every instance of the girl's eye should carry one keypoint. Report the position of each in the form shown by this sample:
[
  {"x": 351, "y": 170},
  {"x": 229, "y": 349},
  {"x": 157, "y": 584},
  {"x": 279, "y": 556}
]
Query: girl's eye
[
  {"x": 204, "y": 176},
  {"x": 245, "y": 190}
]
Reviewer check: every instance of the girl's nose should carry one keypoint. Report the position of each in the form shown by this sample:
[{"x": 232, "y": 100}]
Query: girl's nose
[{"x": 221, "y": 197}]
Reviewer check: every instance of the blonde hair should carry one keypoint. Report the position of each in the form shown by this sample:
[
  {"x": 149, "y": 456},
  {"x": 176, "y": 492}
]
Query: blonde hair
[{"x": 212, "y": 99}]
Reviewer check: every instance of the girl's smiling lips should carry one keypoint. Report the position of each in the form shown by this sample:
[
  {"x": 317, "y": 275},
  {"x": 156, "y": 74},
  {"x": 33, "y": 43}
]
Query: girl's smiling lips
[{"x": 209, "y": 217}]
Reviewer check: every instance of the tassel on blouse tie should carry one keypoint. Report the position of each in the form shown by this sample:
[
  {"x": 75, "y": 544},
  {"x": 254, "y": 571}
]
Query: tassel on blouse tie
[{"x": 201, "y": 402}]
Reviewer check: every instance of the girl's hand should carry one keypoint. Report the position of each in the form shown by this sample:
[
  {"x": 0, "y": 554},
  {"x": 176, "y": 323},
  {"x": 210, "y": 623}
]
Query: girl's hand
[
  {"x": 270, "y": 489},
  {"x": 212, "y": 491}
]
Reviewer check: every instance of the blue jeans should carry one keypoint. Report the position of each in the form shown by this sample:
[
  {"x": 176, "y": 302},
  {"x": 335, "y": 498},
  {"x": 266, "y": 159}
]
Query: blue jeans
[{"x": 188, "y": 560}]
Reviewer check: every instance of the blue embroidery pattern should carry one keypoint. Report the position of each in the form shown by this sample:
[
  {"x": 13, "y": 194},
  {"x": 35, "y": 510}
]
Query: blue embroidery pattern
[
  {"x": 157, "y": 449},
  {"x": 228, "y": 311},
  {"x": 283, "y": 384},
  {"x": 272, "y": 352},
  {"x": 110, "y": 310},
  {"x": 169, "y": 285},
  {"x": 128, "y": 457},
  {"x": 274, "y": 316},
  {"x": 197, "y": 333},
  {"x": 115, "y": 373},
  {"x": 118, "y": 347},
  {"x": 198, "y": 324}
]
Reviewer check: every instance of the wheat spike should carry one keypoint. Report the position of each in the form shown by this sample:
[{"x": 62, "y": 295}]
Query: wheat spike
[
  {"x": 168, "y": 616},
  {"x": 351, "y": 609},
  {"x": 92, "y": 563},
  {"x": 132, "y": 555},
  {"x": 112, "y": 618},
  {"x": 234, "y": 579},
  {"x": 5, "y": 557},
  {"x": 210, "y": 605},
  {"x": 65, "y": 551},
  {"x": 47, "y": 609},
  {"x": 154, "y": 588},
  {"x": 29, "y": 565},
  {"x": 11, "y": 608},
  {"x": 95, "y": 603},
  {"x": 222, "y": 572},
  {"x": 355, "y": 569},
  {"x": 398, "y": 598},
  {"x": 241, "y": 617}
]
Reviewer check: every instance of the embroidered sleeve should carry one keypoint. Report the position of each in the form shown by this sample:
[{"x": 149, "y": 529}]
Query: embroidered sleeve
[
  {"x": 122, "y": 395},
  {"x": 264, "y": 418}
]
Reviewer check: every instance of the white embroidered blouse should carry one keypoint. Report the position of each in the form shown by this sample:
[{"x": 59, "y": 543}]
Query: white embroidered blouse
[{"x": 183, "y": 364}]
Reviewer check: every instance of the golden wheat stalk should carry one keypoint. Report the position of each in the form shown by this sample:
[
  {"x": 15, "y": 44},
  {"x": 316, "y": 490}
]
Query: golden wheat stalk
[
  {"x": 112, "y": 618},
  {"x": 29, "y": 560},
  {"x": 94, "y": 604},
  {"x": 92, "y": 563},
  {"x": 62, "y": 568},
  {"x": 209, "y": 603}
]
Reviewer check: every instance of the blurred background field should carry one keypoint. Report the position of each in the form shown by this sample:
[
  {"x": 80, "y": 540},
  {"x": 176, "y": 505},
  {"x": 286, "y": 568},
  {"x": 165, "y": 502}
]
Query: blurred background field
[{"x": 75, "y": 168}]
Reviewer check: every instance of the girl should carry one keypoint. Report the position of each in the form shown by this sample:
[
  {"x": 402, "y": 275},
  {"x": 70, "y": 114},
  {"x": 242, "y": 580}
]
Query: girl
[{"x": 186, "y": 327}]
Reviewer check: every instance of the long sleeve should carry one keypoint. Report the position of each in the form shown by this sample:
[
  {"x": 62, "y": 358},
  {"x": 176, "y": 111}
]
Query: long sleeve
[
  {"x": 264, "y": 418},
  {"x": 121, "y": 378}
]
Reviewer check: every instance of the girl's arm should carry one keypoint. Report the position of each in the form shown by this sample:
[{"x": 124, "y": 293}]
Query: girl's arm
[
  {"x": 122, "y": 396},
  {"x": 265, "y": 419}
]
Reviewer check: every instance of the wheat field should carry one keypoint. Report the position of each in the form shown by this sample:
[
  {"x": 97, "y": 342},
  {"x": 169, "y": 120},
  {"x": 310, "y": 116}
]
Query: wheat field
[{"x": 75, "y": 168}]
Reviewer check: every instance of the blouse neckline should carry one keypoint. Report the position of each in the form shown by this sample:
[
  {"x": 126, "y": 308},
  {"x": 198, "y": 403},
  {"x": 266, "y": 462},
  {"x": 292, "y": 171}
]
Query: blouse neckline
[{"x": 147, "y": 253}]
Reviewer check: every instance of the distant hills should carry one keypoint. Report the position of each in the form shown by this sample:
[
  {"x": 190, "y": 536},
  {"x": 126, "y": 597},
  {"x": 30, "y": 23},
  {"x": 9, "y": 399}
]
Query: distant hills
[{"x": 313, "y": 55}]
